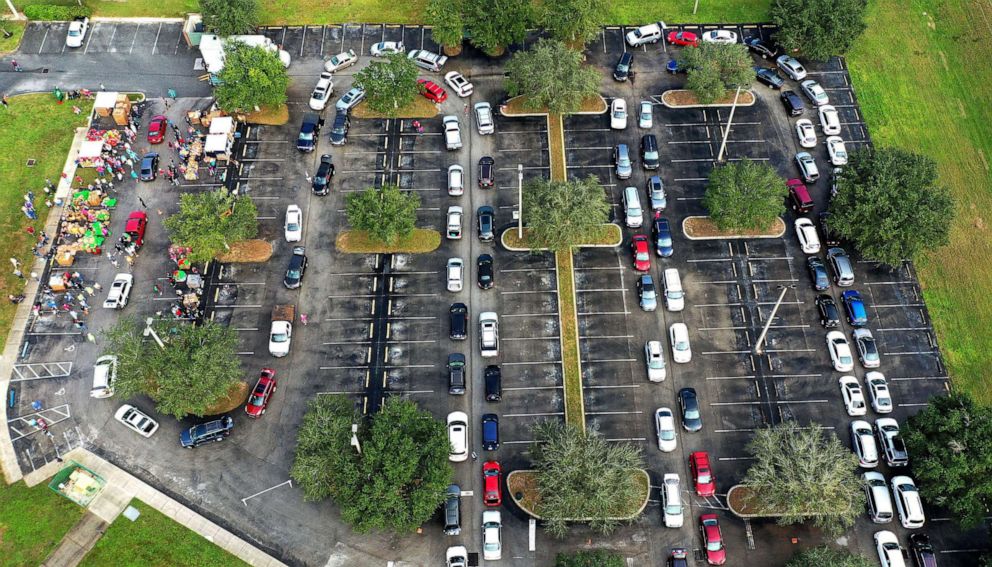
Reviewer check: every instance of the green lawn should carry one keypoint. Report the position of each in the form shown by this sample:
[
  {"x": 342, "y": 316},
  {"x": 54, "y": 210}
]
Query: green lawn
[
  {"x": 32, "y": 522},
  {"x": 9, "y": 44},
  {"x": 154, "y": 540}
]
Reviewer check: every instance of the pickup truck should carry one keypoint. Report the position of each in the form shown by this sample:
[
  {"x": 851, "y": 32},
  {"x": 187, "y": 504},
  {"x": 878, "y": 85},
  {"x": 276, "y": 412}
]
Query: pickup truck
[
  {"x": 281, "y": 333},
  {"x": 452, "y": 133}
]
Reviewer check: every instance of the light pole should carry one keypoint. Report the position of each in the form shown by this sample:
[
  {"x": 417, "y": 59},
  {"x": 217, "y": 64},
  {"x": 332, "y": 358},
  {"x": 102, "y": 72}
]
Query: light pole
[
  {"x": 730, "y": 121},
  {"x": 149, "y": 331},
  {"x": 761, "y": 339},
  {"x": 354, "y": 438},
  {"x": 520, "y": 201}
]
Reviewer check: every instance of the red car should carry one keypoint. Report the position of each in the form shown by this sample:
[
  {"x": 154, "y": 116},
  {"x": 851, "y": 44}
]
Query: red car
[
  {"x": 699, "y": 464},
  {"x": 432, "y": 91},
  {"x": 135, "y": 227},
  {"x": 639, "y": 250},
  {"x": 157, "y": 128},
  {"x": 683, "y": 38},
  {"x": 264, "y": 388},
  {"x": 492, "y": 491},
  {"x": 709, "y": 528}
]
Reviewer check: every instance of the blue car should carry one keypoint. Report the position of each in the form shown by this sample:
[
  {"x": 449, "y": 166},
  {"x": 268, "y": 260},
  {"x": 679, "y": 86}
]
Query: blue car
[
  {"x": 662, "y": 232},
  {"x": 490, "y": 432},
  {"x": 149, "y": 167},
  {"x": 857, "y": 316}
]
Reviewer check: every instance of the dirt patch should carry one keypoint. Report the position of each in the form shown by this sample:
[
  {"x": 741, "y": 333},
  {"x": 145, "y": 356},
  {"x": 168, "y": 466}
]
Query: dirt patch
[
  {"x": 234, "y": 398},
  {"x": 420, "y": 241},
  {"x": 419, "y": 108},
  {"x": 269, "y": 116},
  {"x": 247, "y": 252},
  {"x": 681, "y": 97},
  {"x": 603, "y": 235},
  {"x": 704, "y": 227}
]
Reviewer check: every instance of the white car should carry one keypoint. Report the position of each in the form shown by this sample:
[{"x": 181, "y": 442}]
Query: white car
[
  {"x": 618, "y": 114},
  {"x": 890, "y": 553},
  {"x": 484, "y": 118},
  {"x": 454, "y": 272},
  {"x": 77, "y": 32},
  {"x": 492, "y": 535},
  {"x": 840, "y": 351},
  {"x": 120, "y": 291},
  {"x": 829, "y": 119},
  {"x": 863, "y": 443},
  {"x": 452, "y": 132},
  {"x": 720, "y": 36},
  {"x": 806, "y": 133},
  {"x": 456, "y": 556},
  {"x": 322, "y": 92},
  {"x": 890, "y": 442},
  {"x": 671, "y": 497},
  {"x": 878, "y": 392},
  {"x": 814, "y": 92},
  {"x": 654, "y": 360},
  {"x": 794, "y": 69},
  {"x": 877, "y": 493},
  {"x": 645, "y": 117},
  {"x": 294, "y": 224},
  {"x": 909, "y": 506},
  {"x": 678, "y": 333},
  {"x": 489, "y": 334},
  {"x": 280, "y": 338},
  {"x": 454, "y": 230},
  {"x": 837, "y": 150},
  {"x": 806, "y": 233},
  {"x": 664, "y": 423},
  {"x": 458, "y": 83},
  {"x": 650, "y": 33},
  {"x": 854, "y": 399},
  {"x": 340, "y": 61},
  {"x": 387, "y": 48},
  {"x": 458, "y": 436},
  {"x": 136, "y": 420},
  {"x": 104, "y": 374},
  {"x": 456, "y": 180}
]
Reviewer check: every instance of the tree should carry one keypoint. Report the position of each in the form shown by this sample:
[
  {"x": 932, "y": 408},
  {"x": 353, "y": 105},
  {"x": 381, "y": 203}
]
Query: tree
[
  {"x": 819, "y": 29},
  {"x": 889, "y": 205},
  {"x": 387, "y": 214},
  {"x": 389, "y": 84},
  {"x": 447, "y": 21},
  {"x": 229, "y": 17},
  {"x": 552, "y": 76},
  {"x": 805, "y": 473},
  {"x": 197, "y": 368},
  {"x": 828, "y": 557},
  {"x": 582, "y": 475},
  {"x": 715, "y": 68},
  {"x": 592, "y": 558},
  {"x": 397, "y": 481},
  {"x": 950, "y": 444},
  {"x": 494, "y": 24},
  {"x": 252, "y": 77},
  {"x": 209, "y": 222},
  {"x": 559, "y": 213},
  {"x": 744, "y": 195},
  {"x": 573, "y": 20}
]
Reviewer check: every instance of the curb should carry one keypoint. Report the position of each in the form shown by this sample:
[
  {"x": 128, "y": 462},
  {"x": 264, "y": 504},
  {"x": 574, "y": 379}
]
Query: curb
[
  {"x": 729, "y": 236},
  {"x": 754, "y": 100}
]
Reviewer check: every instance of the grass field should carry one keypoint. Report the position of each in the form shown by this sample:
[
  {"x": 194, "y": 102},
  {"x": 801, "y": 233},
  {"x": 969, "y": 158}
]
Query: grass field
[{"x": 32, "y": 522}]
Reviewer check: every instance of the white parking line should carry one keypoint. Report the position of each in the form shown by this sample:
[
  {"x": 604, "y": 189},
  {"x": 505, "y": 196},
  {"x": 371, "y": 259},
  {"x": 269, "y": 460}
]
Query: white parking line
[
  {"x": 621, "y": 439},
  {"x": 613, "y": 412},
  {"x": 600, "y": 290},
  {"x": 749, "y": 377},
  {"x": 612, "y": 360},
  {"x": 590, "y": 313},
  {"x": 554, "y": 338},
  {"x": 532, "y": 414},
  {"x": 555, "y": 291},
  {"x": 606, "y": 337},
  {"x": 887, "y": 329},
  {"x": 780, "y": 402},
  {"x": 529, "y": 314},
  {"x": 909, "y": 378},
  {"x": 611, "y": 387},
  {"x": 531, "y": 363},
  {"x": 532, "y": 388}
]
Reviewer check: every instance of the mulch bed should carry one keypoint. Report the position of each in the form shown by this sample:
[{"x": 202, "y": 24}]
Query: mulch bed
[
  {"x": 247, "y": 252},
  {"x": 702, "y": 227},
  {"x": 688, "y": 98},
  {"x": 269, "y": 116},
  {"x": 234, "y": 399}
]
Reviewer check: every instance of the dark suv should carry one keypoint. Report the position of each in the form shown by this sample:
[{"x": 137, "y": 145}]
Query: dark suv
[
  {"x": 309, "y": 130},
  {"x": 922, "y": 551},
  {"x": 818, "y": 273},
  {"x": 458, "y": 322},
  {"x": 493, "y": 378},
  {"x": 650, "y": 158},
  {"x": 487, "y": 172},
  {"x": 792, "y": 103},
  {"x": 208, "y": 432},
  {"x": 339, "y": 130},
  {"x": 456, "y": 374},
  {"x": 622, "y": 71},
  {"x": 452, "y": 510},
  {"x": 297, "y": 267},
  {"x": 486, "y": 217},
  {"x": 322, "y": 179}
]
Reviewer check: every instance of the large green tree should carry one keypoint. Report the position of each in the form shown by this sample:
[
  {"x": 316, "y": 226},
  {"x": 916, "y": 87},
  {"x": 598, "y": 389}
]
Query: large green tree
[
  {"x": 397, "y": 481},
  {"x": 805, "y": 473},
  {"x": 389, "y": 84},
  {"x": 590, "y": 558},
  {"x": 890, "y": 206},
  {"x": 582, "y": 475},
  {"x": 252, "y": 77},
  {"x": 197, "y": 368},
  {"x": 494, "y": 24},
  {"x": 559, "y": 213},
  {"x": 210, "y": 222},
  {"x": 230, "y": 17},
  {"x": 950, "y": 445},
  {"x": 386, "y": 213},
  {"x": 828, "y": 557},
  {"x": 572, "y": 20},
  {"x": 744, "y": 195},
  {"x": 714, "y": 68},
  {"x": 447, "y": 22},
  {"x": 819, "y": 29},
  {"x": 552, "y": 77}
]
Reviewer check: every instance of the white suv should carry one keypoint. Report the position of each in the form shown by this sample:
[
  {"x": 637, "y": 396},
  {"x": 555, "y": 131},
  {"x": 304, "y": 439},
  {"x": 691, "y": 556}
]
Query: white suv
[
  {"x": 458, "y": 436},
  {"x": 454, "y": 272},
  {"x": 484, "y": 118},
  {"x": 120, "y": 291},
  {"x": 650, "y": 33},
  {"x": 452, "y": 133},
  {"x": 489, "y": 334}
]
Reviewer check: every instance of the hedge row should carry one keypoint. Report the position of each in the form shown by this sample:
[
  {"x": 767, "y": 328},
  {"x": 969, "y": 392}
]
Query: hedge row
[{"x": 55, "y": 13}]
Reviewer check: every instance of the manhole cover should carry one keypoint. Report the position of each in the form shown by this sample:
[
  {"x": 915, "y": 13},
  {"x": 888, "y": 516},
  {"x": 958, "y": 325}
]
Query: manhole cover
[{"x": 31, "y": 162}]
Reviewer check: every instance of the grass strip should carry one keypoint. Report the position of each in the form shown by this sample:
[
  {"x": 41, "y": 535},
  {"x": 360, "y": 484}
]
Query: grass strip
[
  {"x": 571, "y": 367},
  {"x": 33, "y": 522},
  {"x": 556, "y": 143},
  {"x": 420, "y": 241},
  {"x": 16, "y": 29},
  {"x": 419, "y": 108}
]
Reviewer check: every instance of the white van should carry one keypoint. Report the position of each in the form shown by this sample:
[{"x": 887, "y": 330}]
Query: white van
[
  {"x": 674, "y": 296},
  {"x": 672, "y": 495},
  {"x": 104, "y": 373},
  {"x": 633, "y": 215},
  {"x": 879, "y": 502}
]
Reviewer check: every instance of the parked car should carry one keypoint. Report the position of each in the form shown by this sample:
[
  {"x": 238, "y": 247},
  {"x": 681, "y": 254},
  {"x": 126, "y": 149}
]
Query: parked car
[
  {"x": 456, "y": 374},
  {"x": 492, "y": 485},
  {"x": 148, "y": 169},
  {"x": 484, "y": 271},
  {"x": 454, "y": 271},
  {"x": 618, "y": 114},
  {"x": 157, "y": 129},
  {"x": 672, "y": 510},
  {"x": 654, "y": 360},
  {"x": 621, "y": 159},
  {"x": 647, "y": 293},
  {"x": 720, "y": 36},
  {"x": 818, "y": 273},
  {"x": 136, "y": 420},
  {"x": 921, "y": 550},
  {"x": 878, "y": 392},
  {"x": 489, "y": 334},
  {"x": 867, "y": 349},
  {"x": 661, "y": 229},
  {"x": 293, "y": 227},
  {"x": 836, "y": 150},
  {"x": 492, "y": 377},
  {"x": 879, "y": 501},
  {"x": 857, "y": 315},
  {"x": 297, "y": 267},
  {"x": 341, "y": 61},
  {"x": 890, "y": 553},
  {"x": 454, "y": 223},
  {"x": 683, "y": 38},
  {"x": 452, "y": 132},
  {"x": 863, "y": 443},
  {"x": 458, "y": 83},
  {"x": 649, "y": 33},
  {"x": 794, "y": 69},
  {"x": 842, "y": 267},
  {"x": 768, "y": 77},
  {"x": 893, "y": 447},
  {"x": 427, "y": 60},
  {"x": 621, "y": 72},
  {"x": 321, "y": 92},
  {"x": 258, "y": 401},
  {"x": 814, "y": 92},
  {"x": 792, "y": 103},
  {"x": 830, "y": 238},
  {"x": 639, "y": 252},
  {"x": 306, "y": 140},
  {"x": 487, "y": 172},
  {"x": 909, "y": 505},
  {"x": 350, "y": 99},
  {"x": 77, "y": 31},
  {"x": 829, "y": 119},
  {"x": 486, "y": 219},
  {"x": 678, "y": 333},
  {"x": 135, "y": 227},
  {"x": 386, "y": 48},
  {"x": 650, "y": 157},
  {"x": 664, "y": 423},
  {"x": 840, "y": 352},
  {"x": 709, "y": 529},
  {"x": 645, "y": 115},
  {"x": 210, "y": 432},
  {"x": 702, "y": 475},
  {"x": 458, "y": 436},
  {"x": 432, "y": 91},
  {"x": 829, "y": 314},
  {"x": 339, "y": 129},
  {"x": 809, "y": 241},
  {"x": 458, "y": 322},
  {"x": 692, "y": 419},
  {"x": 484, "y": 118},
  {"x": 321, "y": 183},
  {"x": 490, "y": 432},
  {"x": 807, "y": 167},
  {"x": 678, "y": 557},
  {"x": 806, "y": 133},
  {"x": 104, "y": 376},
  {"x": 456, "y": 180},
  {"x": 656, "y": 193},
  {"x": 453, "y": 511},
  {"x": 854, "y": 399},
  {"x": 764, "y": 49},
  {"x": 492, "y": 535},
  {"x": 120, "y": 292}
]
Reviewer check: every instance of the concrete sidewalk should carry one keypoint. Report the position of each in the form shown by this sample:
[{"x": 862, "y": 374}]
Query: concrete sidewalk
[{"x": 78, "y": 542}]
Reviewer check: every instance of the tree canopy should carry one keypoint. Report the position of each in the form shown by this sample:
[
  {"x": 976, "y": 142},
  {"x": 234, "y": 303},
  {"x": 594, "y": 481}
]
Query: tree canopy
[
  {"x": 252, "y": 77},
  {"x": 572, "y": 20},
  {"x": 551, "y": 76},
  {"x": 208, "y": 223},
  {"x": 398, "y": 480},
  {"x": 560, "y": 213},
  {"x": 229, "y": 17},
  {"x": 890, "y": 206},
  {"x": 198, "y": 367},
  {"x": 389, "y": 84},
  {"x": 714, "y": 68},
  {"x": 590, "y": 558},
  {"x": 805, "y": 473},
  {"x": 386, "y": 213},
  {"x": 744, "y": 195},
  {"x": 950, "y": 445},
  {"x": 828, "y": 557},
  {"x": 494, "y": 24},
  {"x": 819, "y": 29},
  {"x": 447, "y": 22}
]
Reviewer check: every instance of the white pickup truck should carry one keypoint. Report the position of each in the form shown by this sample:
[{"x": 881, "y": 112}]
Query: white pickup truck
[{"x": 452, "y": 132}]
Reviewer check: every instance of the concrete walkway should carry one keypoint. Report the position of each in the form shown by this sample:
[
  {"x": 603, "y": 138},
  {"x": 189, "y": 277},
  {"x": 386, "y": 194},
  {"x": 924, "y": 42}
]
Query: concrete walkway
[{"x": 78, "y": 542}]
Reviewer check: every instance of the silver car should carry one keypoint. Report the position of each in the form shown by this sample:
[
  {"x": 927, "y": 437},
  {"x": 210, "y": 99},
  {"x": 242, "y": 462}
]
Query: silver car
[
  {"x": 621, "y": 158},
  {"x": 807, "y": 167},
  {"x": 351, "y": 98},
  {"x": 484, "y": 118},
  {"x": 645, "y": 115},
  {"x": 656, "y": 193},
  {"x": 794, "y": 69}
]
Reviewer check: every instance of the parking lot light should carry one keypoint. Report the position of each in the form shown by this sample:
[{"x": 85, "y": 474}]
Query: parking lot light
[
  {"x": 149, "y": 331},
  {"x": 520, "y": 202},
  {"x": 730, "y": 121},
  {"x": 354, "y": 438},
  {"x": 761, "y": 339}
]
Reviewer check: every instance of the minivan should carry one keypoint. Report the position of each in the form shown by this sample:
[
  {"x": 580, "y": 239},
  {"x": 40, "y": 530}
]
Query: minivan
[
  {"x": 672, "y": 501},
  {"x": 633, "y": 215},
  {"x": 650, "y": 158},
  {"x": 104, "y": 373},
  {"x": 494, "y": 383},
  {"x": 841, "y": 264},
  {"x": 879, "y": 502},
  {"x": 452, "y": 510},
  {"x": 799, "y": 198},
  {"x": 674, "y": 296}
]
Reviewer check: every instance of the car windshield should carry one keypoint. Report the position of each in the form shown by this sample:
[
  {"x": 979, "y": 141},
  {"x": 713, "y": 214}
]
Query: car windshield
[
  {"x": 846, "y": 360},
  {"x": 656, "y": 362},
  {"x": 306, "y": 135},
  {"x": 293, "y": 273},
  {"x": 666, "y": 434},
  {"x": 619, "y": 113},
  {"x": 692, "y": 413},
  {"x": 714, "y": 545},
  {"x": 651, "y": 155},
  {"x": 673, "y": 509},
  {"x": 704, "y": 477},
  {"x": 279, "y": 337},
  {"x": 642, "y": 256},
  {"x": 681, "y": 345}
]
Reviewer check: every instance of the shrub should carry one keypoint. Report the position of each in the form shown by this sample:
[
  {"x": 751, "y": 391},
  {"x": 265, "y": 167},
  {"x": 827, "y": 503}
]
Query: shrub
[{"x": 55, "y": 13}]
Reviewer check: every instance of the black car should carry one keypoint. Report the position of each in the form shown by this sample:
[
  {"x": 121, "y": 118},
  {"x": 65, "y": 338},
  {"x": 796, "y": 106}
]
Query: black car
[
  {"x": 452, "y": 510},
  {"x": 493, "y": 378},
  {"x": 921, "y": 550},
  {"x": 490, "y": 432},
  {"x": 458, "y": 322},
  {"x": 830, "y": 238},
  {"x": 650, "y": 157},
  {"x": 818, "y": 273},
  {"x": 297, "y": 267},
  {"x": 309, "y": 131},
  {"x": 339, "y": 131},
  {"x": 486, "y": 216},
  {"x": 322, "y": 179},
  {"x": 456, "y": 374},
  {"x": 622, "y": 71},
  {"x": 149, "y": 167},
  {"x": 678, "y": 558},
  {"x": 487, "y": 172},
  {"x": 484, "y": 271},
  {"x": 661, "y": 230},
  {"x": 829, "y": 314},
  {"x": 768, "y": 77},
  {"x": 764, "y": 49},
  {"x": 792, "y": 103},
  {"x": 692, "y": 420},
  {"x": 208, "y": 432}
]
